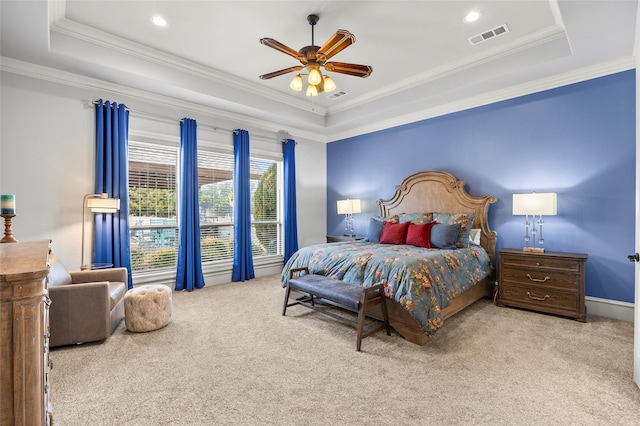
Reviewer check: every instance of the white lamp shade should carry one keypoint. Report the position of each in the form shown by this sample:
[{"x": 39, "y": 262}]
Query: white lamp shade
[
  {"x": 535, "y": 204},
  {"x": 348, "y": 206},
  {"x": 103, "y": 205}
]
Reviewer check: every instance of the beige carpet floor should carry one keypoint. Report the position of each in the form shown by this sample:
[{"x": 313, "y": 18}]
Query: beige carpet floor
[{"x": 228, "y": 357}]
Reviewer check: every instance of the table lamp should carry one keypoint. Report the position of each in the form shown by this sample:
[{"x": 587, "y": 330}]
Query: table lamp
[
  {"x": 534, "y": 204},
  {"x": 348, "y": 208}
]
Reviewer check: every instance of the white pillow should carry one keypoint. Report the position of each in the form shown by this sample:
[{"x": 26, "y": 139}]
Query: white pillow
[{"x": 474, "y": 237}]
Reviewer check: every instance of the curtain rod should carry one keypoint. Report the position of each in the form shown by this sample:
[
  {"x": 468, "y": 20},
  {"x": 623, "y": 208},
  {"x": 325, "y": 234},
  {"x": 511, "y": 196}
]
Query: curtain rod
[
  {"x": 172, "y": 120},
  {"x": 110, "y": 104}
]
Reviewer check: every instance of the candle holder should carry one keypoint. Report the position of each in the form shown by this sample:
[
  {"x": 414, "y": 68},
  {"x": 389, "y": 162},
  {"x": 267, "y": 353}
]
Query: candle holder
[{"x": 8, "y": 233}]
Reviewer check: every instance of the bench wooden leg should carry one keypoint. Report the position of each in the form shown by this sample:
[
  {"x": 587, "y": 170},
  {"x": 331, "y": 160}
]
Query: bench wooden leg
[
  {"x": 385, "y": 314},
  {"x": 293, "y": 273},
  {"x": 286, "y": 300},
  {"x": 361, "y": 316},
  {"x": 362, "y": 309}
]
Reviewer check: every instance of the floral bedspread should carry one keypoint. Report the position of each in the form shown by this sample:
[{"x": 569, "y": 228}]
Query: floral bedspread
[{"x": 423, "y": 281}]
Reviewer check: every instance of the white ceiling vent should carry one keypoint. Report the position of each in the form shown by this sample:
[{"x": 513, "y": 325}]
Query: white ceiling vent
[
  {"x": 337, "y": 94},
  {"x": 479, "y": 38}
]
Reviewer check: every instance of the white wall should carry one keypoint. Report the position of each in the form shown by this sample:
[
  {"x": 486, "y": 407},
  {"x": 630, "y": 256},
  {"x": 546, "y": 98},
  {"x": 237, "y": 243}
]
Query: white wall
[
  {"x": 311, "y": 188},
  {"x": 47, "y": 144},
  {"x": 47, "y": 159}
]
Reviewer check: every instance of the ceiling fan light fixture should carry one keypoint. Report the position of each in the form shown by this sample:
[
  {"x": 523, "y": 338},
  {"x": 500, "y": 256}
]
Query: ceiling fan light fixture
[
  {"x": 314, "y": 75},
  {"x": 329, "y": 85},
  {"x": 312, "y": 90},
  {"x": 296, "y": 83},
  {"x": 314, "y": 59}
]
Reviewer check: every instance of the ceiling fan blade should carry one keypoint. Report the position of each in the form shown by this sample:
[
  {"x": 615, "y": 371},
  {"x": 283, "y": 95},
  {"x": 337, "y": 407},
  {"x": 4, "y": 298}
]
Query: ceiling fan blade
[
  {"x": 284, "y": 71},
  {"x": 282, "y": 48},
  {"x": 336, "y": 44},
  {"x": 349, "y": 69}
]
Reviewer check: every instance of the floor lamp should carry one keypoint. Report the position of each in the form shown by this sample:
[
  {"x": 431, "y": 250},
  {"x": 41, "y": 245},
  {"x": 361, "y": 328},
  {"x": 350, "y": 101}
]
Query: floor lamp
[{"x": 97, "y": 203}]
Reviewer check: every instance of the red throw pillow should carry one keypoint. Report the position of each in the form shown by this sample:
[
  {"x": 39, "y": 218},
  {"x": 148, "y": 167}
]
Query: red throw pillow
[
  {"x": 419, "y": 235},
  {"x": 394, "y": 233}
]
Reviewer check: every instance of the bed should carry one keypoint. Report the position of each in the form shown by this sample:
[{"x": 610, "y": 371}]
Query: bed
[{"x": 424, "y": 286}]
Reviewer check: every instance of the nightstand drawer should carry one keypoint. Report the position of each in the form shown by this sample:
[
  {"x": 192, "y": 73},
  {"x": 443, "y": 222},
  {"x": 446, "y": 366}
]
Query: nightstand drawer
[
  {"x": 540, "y": 298},
  {"x": 550, "y": 278},
  {"x": 541, "y": 263}
]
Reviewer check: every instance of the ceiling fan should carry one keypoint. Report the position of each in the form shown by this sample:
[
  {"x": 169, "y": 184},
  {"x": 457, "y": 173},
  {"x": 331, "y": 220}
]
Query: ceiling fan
[{"x": 314, "y": 57}]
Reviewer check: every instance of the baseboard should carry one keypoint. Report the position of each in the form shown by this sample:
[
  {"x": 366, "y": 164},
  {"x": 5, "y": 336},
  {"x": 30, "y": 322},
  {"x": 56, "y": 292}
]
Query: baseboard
[
  {"x": 213, "y": 274},
  {"x": 623, "y": 311},
  {"x": 154, "y": 277},
  {"x": 224, "y": 277}
]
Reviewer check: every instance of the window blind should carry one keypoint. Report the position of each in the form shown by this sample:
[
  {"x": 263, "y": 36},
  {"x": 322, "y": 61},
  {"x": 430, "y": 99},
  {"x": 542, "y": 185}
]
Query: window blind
[
  {"x": 215, "y": 178},
  {"x": 152, "y": 206}
]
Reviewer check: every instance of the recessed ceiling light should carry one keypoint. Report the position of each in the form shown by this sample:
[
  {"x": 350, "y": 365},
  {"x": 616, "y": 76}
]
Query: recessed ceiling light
[
  {"x": 472, "y": 16},
  {"x": 159, "y": 21}
]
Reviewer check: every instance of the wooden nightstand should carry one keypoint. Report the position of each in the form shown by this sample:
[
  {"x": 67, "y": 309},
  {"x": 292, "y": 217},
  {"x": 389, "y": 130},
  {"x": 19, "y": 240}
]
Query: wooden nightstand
[
  {"x": 549, "y": 282},
  {"x": 338, "y": 238}
]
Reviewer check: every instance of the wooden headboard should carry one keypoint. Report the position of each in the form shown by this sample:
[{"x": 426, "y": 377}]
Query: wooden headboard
[{"x": 438, "y": 191}]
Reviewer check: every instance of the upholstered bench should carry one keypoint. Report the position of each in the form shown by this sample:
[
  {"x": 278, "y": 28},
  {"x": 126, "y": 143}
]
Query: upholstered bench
[
  {"x": 147, "y": 307},
  {"x": 349, "y": 296}
]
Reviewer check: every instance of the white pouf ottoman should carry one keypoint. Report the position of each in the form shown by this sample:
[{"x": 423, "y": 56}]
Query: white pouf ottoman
[{"x": 147, "y": 307}]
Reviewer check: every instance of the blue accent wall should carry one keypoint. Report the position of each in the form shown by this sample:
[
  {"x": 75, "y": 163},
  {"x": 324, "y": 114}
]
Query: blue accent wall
[{"x": 576, "y": 140}]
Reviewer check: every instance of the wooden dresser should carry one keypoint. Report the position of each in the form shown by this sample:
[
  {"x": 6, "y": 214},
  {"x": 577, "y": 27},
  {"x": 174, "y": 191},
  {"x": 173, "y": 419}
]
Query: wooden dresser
[
  {"x": 549, "y": 282},
  {"x": 24, "y": 334}
]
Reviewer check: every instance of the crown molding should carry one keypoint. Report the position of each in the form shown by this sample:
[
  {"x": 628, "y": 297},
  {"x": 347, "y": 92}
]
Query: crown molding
[
  {"x": 65, "y": 78},
  {"x": 69, "y": 28},
  {"x": 64, "y": 26},
  {"x": 74, "y": 80},
  {"x": 588, "y": 73},
  {"x": 521, "y": 44}
]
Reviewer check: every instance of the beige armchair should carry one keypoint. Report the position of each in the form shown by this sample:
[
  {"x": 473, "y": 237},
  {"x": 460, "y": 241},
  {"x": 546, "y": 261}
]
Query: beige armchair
[{"x": 86, "y": 306}]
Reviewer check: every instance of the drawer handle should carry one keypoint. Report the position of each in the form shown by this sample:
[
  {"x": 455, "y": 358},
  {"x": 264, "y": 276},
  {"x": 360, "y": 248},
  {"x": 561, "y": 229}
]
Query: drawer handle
[
  {"x": 537, "y": 280},
  {"x": 542, "y": 299}
]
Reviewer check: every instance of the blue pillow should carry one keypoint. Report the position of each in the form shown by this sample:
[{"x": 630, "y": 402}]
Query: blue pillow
[
  {"x": 445, "y": 236},
  {"x": 375, "y": 229},
  {"x": 465, "y": 220}
]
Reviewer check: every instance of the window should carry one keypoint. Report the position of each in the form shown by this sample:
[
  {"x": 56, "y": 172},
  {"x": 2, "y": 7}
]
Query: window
[
  {"x": 153, "y": 206},
  {"x": 215, "y": 177},
  {"x": 267, "y": 226}
]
